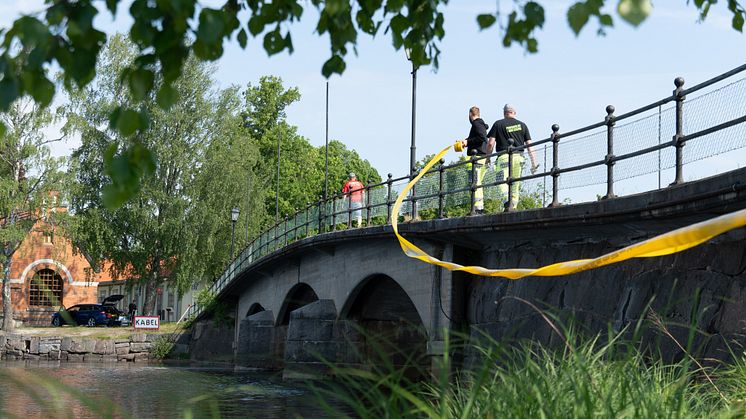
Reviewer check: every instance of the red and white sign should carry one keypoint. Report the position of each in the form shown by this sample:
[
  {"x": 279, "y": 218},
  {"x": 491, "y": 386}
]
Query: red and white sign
[{"x": 147, "y": 322}]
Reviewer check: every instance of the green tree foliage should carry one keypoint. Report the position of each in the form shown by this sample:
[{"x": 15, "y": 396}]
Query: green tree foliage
[
  {"x": 175, "y": 229},
  {"x": 167, "y": 33},
  {"x": 27, "y": 174},
  {"x": 302, "y": 166}
]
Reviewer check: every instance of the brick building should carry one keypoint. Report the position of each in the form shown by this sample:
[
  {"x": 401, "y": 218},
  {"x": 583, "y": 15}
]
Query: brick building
[{"x": 48, "y": 271}]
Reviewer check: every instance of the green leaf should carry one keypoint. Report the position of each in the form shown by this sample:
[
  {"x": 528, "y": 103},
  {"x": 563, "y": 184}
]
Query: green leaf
[
  {"x": 167, "y": 96},
  {"x": 738, "y": 22},
  {"x": 333, "y": 65},
  {"x": 141, "y": 83},
  {"x": 43, "y": 91},
  {"x": 256, "y": 25},
  {"x": 634, "y": 11},
  {"x": 274, "y": 42},
  {"x": 8, "y": 92},
  {"x": 486, "y": 20},
  {"x": 399, "y": 24},
  {"x": 242, "y": 38},
  {"x": 606, "y": 20},
  {"x": 577, "y": 17},
  {"x": 128, "y": 122}
]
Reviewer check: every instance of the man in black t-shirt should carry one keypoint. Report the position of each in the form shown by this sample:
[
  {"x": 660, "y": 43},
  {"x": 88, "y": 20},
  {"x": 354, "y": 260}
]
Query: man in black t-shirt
[
  {"x": 476, "y": 144},
  {"x": 502, "y": 133}
]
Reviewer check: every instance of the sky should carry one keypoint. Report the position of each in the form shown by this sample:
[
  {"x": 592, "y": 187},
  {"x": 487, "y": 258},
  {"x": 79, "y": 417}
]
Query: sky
[{"x": 569, "y": 81}]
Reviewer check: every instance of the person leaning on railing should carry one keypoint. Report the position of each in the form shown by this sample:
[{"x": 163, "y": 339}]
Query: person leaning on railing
[
  {"x": 500, "y": 136},
  {"x": 476, "y": 143},
  {"x": 356, "y": 191}
]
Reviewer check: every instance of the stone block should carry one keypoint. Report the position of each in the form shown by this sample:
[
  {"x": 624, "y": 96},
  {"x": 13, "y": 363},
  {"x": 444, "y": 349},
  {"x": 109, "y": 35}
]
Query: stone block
[
  {"x": 89, "y": 345},
  {"x": 49, "y": 344},
  {"x": 76, "y": 346},
  {"x": 140, "y": 347},
  {"x": 299, "y": 352},
  {"x": 74, "y": 357},
  {"x": 3, "y": 341},
  {"x": 126, "y": 357},
  {"x": 320, "y": 309},
  {"x": 142, "y": 357},
  {"x": 262, "y": 318},
  {"x": 122, "y": 344},
  {"x": 55, "y": 355},
  {"x": 138, "y": 337},
  {"x": 118, "y": 342},
  {"x": 66, "y": 344},
  {"x": 152, "y": 337},
  {"x": 121, "y": 350},
  {"x": 33, "y": 346},
  {"x": 310, "y": 329},
  {"x": 104, "y": 347},
  {"x": 90, "y": 357}
]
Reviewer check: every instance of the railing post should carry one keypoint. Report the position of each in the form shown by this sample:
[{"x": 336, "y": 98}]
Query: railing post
[
  {"x": 322, "y": 221},
  {"x": 610, "y": 121},
  {"x": 367, "y": 203},
  {"x": 413, "y": 194},
  {"x": 510, "y": 205},
  {"x": 678, "y": 139},
  {"x": 473, "y": 189},
  {"x": 349, "y": 210},
  {"x": 285, "y": 231},
  {"x": 441, "y": 194},
  {"x": 334, "y": 213},
  {"x": 388, "y": 199},
  {"x": 555, "y": 166},
  {"x": 307, "y": 221}
]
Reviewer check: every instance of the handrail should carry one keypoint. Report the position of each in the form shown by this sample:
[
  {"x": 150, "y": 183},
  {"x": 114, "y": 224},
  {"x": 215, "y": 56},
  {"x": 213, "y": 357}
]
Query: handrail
[{"x": 324, "y": 215}]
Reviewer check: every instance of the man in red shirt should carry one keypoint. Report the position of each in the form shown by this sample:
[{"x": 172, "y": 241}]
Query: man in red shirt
[{"x": 356, "y": 193}]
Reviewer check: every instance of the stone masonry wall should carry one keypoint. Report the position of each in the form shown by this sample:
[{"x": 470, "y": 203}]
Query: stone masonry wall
[{"x": 136, "y": 348}]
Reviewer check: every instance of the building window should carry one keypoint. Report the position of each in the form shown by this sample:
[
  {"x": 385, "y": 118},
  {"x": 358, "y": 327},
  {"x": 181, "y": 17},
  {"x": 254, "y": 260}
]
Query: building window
[{"x": 45, "y": 289}]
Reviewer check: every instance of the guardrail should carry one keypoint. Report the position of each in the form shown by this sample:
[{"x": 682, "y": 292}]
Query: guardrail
[{"x": 620, "y": 147}]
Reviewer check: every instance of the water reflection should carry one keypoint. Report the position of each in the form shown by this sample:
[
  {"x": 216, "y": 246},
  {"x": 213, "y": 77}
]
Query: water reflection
[{"x": 132, "y": 390}]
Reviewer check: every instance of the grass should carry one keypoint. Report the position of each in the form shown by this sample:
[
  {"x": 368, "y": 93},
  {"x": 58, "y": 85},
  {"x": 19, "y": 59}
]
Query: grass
[
  {"x": 97, "y": 332},
  {"x": 600, "y": 376}
]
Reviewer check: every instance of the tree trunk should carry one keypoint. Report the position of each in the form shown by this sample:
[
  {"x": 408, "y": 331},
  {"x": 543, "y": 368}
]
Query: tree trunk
[
  {"x": 151, "y": 287},
  {"x": 8, "y": 324}
]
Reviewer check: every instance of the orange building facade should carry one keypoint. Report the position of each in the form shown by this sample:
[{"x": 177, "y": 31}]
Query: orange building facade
[{"x": 47, "y": 271}]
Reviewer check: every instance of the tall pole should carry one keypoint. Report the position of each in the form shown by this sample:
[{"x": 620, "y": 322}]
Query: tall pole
[
  {"x": 233, "y": 239},
  {"x": 277, "y": 190},
  {"x": 413, "y": 148},
  {"x": 326, "y": 159}
]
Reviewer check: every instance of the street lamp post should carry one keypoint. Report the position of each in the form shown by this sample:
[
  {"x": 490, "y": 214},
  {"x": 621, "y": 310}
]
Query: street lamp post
[
  {"x": 413, "y": 148},
  {"x": 277, "y": 190},
  {"x": 234, "y": 217}
]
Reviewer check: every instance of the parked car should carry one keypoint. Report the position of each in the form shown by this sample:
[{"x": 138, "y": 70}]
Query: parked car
[
  {"x": 120, "y": 318},
  {"x": 84, "y": 314}
]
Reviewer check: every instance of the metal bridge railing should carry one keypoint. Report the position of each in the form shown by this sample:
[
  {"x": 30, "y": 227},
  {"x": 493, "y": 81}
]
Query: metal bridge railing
[{"x": 664, "y": 135}]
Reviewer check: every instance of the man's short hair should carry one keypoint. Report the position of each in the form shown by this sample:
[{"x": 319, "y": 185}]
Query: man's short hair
[
  {"x": 474, "y": 110},
  {"x": 508, "y": 108},
  {"x": 352, "y": 175}
]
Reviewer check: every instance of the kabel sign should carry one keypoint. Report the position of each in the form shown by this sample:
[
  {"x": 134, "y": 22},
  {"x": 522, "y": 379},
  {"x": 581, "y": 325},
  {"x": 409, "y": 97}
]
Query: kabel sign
[{"x": 147, "y": 322}]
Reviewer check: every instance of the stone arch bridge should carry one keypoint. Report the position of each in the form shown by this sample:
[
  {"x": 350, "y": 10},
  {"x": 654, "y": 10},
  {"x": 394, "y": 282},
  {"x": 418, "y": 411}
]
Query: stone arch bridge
[{"x": 318, "y": 296}]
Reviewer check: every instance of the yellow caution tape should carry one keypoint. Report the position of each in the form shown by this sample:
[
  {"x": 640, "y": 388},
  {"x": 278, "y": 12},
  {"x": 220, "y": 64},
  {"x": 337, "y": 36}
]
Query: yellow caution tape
[{"x": 664, "y": 244}]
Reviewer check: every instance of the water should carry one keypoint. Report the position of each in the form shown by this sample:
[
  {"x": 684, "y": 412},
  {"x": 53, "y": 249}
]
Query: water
[{"x": 36, "y": 390}]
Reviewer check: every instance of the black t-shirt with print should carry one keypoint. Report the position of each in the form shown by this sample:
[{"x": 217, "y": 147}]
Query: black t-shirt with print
[{"x": 507, "y": 128}]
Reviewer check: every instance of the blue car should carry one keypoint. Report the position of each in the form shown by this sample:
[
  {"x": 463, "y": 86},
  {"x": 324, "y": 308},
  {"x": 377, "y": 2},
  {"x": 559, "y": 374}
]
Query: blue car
[{"x": 85, "y": 314}]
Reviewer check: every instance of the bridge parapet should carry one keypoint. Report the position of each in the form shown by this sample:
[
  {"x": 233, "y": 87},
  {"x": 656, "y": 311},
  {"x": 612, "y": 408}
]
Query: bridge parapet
[{"x": 620, "y": 148}]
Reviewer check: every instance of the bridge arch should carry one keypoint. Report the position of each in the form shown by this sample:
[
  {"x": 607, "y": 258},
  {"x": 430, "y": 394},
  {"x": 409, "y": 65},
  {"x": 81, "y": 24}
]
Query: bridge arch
[
  {"x": 385, "y": 314},
  {"x": 255, "y": 308},
  {"x": 300, "y": 294}
]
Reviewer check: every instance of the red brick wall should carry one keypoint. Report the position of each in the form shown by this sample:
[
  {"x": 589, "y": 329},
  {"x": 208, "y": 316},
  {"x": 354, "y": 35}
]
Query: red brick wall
[{"x": 37, "y": 247}]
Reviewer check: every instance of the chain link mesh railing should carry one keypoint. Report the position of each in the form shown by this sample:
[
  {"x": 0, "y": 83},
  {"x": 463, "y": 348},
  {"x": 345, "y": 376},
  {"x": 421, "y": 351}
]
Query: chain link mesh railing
[{"x": 713, "y": 122}]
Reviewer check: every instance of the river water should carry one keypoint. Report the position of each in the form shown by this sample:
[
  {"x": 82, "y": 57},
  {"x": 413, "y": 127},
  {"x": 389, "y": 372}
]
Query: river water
[{"x": 44, "y": 390}]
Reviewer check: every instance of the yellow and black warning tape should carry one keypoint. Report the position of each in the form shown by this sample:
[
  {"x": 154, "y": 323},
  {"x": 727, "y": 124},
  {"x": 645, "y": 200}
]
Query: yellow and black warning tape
[{"x": 664, "y": 244}]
